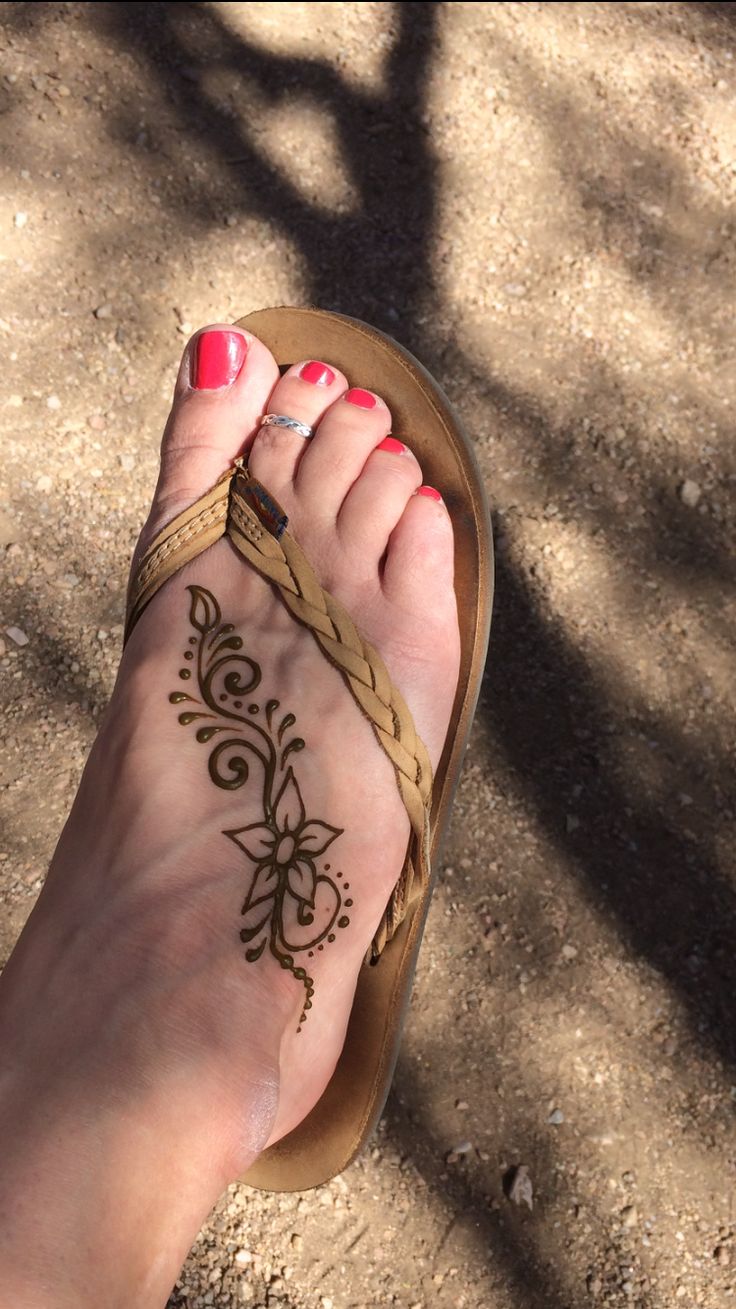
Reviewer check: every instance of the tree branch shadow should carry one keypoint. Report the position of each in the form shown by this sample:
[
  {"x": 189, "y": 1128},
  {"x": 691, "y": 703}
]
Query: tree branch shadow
[{"x": 547, "y": 714}]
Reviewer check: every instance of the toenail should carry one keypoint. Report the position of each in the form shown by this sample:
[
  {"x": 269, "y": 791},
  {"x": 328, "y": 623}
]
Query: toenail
[
  {"x": 363, "y": 399},
  {"x": 392, "y": 446},
  {"x": 429, "y": 491},
  {"x": 218, "y": 358},
  {"x": 316, "y": 373}
]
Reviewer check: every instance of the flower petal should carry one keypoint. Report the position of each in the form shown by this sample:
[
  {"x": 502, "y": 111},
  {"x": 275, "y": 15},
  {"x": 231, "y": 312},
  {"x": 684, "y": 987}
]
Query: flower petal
[
  {"x": 257, "y": 839},
  {"x": 263, "y": 887},
  {"x": 302, "y": 881},
  {"x": 315, "y": 837},
  {"x": 289, "y": 808}
]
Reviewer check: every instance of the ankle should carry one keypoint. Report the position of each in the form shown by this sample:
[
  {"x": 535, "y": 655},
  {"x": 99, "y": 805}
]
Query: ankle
[{"x": 132, "y": 1183}]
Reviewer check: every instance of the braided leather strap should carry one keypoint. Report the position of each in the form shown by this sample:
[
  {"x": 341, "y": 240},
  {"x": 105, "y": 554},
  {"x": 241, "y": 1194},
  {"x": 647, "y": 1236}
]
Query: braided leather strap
[{"x": 239, "y": 506}]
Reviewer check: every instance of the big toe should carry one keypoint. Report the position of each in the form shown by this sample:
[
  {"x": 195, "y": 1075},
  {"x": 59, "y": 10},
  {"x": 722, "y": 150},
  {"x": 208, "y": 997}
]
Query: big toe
[{"x": 222, "y": 388}]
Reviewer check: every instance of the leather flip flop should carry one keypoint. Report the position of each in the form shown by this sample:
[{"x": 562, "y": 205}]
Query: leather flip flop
[{"x": 341, "y": 1122}]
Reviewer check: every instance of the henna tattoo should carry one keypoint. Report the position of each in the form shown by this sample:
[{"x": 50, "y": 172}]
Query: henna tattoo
[{"x": 292, "y": 905}]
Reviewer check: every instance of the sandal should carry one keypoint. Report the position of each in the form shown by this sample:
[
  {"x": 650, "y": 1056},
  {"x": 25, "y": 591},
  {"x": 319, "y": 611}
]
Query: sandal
[{"x": 341, "y": 1122}]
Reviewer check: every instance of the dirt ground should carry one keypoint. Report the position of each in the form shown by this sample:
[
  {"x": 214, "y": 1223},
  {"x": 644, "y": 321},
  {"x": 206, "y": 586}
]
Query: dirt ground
[{"x": 537, "y": 199}]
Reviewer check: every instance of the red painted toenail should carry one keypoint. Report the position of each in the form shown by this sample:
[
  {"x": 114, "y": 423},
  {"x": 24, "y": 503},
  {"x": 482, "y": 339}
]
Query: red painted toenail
[
  {"x": 363, "y": 399},
  {"x": 429, "y": 491},
  {"x": 317, "y": 374},
  {"x": 392, "y": 446},
  {"x": 218, "y": 358}
]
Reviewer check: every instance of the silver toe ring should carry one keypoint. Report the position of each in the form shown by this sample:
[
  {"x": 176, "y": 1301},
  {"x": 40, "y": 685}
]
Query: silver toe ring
[{"x": 294, "y": 425}]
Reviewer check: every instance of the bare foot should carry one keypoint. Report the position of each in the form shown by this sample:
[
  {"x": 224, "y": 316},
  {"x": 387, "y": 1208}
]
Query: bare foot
[{"x": 139, "y": 990}]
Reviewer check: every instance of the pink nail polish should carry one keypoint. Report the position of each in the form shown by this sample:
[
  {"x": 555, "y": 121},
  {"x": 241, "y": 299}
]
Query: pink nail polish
[
  {"x": 430, "y": 492},
  {"x": 218, "y": 358},
  {"x": 392, "y": 446},
  {"x": 363, "y": 399},
  {"x": 316, "y": 373}
]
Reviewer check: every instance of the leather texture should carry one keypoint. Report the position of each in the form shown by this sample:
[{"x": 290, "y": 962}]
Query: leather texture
[{"x": 340, "y": 1123}]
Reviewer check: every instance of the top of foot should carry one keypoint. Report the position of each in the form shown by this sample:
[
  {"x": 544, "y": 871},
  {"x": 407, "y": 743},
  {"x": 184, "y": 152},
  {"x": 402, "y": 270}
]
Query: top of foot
[{"x": 217, "y": 857}]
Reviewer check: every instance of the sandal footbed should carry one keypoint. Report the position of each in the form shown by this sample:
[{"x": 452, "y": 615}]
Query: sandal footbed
[{"x": 341, "y": 1122}]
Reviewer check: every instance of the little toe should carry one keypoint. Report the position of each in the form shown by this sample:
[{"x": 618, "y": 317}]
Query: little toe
[
  {"x": 350, "y": 430},
  {"x": 420, "y": 554},
  {"x": 375, "y": 503},
  {"x": 305, "y": 392},
  {"x": 224, "y": 380}
]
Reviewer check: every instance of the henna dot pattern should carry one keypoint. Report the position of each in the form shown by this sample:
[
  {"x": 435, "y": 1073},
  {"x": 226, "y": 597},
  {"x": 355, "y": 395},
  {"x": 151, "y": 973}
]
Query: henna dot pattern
[{"x": 290, "y": 907}]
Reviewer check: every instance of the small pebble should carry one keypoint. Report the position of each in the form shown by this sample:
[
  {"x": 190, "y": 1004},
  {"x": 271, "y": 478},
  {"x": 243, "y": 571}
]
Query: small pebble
[
  {"x": 461, "y": 1104},
  {"x": 103, "y": 311},
  {"x": 96, "y": 422},
  {"x": 722, "y": 1256},
  {"x": 556, "y": 1117},
  {"x": 20, "y": 219},
  {"x": 53, "y": 402},
  {"x": 690, "y": 493},
  {"x": 17, "y": 635},
  {"x": 521, "y": 1190},
  {"x": 297, "y": 1242},
  {"x": 569, "y": 952},
  {"x": 243, "y": 1257},
  {"x": 44, "y": 483},
  {"x": 630, "y": 1215},
  {"x": 459, "y": 1152},
  {"x": 102, "y": 635},
  {"x": 127, "y": 462}
]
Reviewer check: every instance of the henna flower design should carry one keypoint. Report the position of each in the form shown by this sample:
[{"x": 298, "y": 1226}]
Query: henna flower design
[
  {"x": 291, "y": 905},
  {"x": 285, "y": 849}
]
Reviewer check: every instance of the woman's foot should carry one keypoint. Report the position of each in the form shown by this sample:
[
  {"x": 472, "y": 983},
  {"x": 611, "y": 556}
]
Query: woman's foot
[{"x": 130, "y": 993}]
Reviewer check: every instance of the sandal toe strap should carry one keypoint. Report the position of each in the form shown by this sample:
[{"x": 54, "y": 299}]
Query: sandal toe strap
[{"x": 242, "y": 508}]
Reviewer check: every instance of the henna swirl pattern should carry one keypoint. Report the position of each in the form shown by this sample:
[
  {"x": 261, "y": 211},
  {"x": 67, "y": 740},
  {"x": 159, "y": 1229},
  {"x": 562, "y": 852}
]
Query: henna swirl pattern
[{"x": 292, "y": 906}]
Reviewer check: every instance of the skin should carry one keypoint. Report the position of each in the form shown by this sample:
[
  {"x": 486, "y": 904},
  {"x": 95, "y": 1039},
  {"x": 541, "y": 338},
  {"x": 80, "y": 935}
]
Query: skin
[{"x": 128, "y": 1009}]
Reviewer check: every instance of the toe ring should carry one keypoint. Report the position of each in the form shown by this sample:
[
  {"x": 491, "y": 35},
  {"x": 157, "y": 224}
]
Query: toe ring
[{"x": 283, "y": 420}]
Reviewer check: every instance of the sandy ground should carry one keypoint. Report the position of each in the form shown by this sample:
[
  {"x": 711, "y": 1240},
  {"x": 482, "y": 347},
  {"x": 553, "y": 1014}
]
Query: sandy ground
[{"x": 538, "y": 200}]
